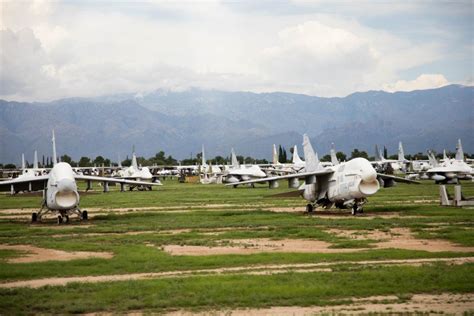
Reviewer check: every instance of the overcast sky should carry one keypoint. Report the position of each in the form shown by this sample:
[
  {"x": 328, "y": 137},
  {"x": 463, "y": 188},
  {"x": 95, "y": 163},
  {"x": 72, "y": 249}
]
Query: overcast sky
[{"x": 71, "y": 48}]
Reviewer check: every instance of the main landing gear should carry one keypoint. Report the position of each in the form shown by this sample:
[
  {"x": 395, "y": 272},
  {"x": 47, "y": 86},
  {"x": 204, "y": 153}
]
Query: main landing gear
[
  {"x": 63, "y": 215},
  {"x": 309, "y": 208},
  {"x": 357, "y": 209}
]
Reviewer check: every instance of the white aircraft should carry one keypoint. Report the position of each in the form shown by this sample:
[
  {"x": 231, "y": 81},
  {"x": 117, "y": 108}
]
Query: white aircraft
[
  {"x": 60, "y": 193},
  {"x": 31, "y": 172},
  {"x": 134, "y": 172},
  {"x": 346, "y": 185},
  {"x": 236, "y": 173},
  {"x": 450, "y": 170},
  {"x": 395, "y": 165}
]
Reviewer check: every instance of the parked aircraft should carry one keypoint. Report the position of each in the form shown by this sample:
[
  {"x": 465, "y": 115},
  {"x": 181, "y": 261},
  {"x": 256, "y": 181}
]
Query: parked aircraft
[
  {"x": 60, "y": 193},
  {"x": 31, "y": 172},
  {"x": 135, "y": 172},
  {"x": 236, "y": 172},
  {"x": 346, "y": 185},
  {"x": 450, "y": 170}
]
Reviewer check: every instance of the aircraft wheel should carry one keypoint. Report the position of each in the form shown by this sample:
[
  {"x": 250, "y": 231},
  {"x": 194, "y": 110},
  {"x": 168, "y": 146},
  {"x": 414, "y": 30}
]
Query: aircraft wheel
[
  {"x": 354, "y": 210},
  {"x": 34, "y": 217},
  {"x": 60, "y": 219},
  {"x": 84, "y": 215},
  {"x": 360, "y": 210},
  {"x": 309, "y": 208},
  {"x": 66, "y": 219}
]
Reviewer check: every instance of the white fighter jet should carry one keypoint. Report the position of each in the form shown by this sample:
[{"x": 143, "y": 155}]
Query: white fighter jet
[
  {"x": 60, "y": 193},
  {"x": 236, "y": 172},
  {"x": 31, "y": 172},
  {"x": 450, "y": 170},
  {"x": 345, "y": 185},
  {"x": 135, "y": 172}
]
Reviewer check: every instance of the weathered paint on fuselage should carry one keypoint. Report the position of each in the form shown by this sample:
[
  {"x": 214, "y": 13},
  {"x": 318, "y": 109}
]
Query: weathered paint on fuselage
[{"x": 355, "y": 179}]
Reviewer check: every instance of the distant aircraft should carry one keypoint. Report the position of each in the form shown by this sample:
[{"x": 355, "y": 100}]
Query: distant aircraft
[
  {"x": 236, "y": 173},
  {"x": 60, "y": 195},
  {"x": 345, "y": 185},
  {"x": 134, "y": 172},
  {"x": 394, "y": 165},
  {"x": 450, "y": 170},
  {"x": 31, "y": 172}
]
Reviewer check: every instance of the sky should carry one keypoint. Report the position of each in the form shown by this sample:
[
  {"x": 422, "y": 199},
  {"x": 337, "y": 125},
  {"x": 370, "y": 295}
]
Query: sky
[{"x": 52, "y": 50}]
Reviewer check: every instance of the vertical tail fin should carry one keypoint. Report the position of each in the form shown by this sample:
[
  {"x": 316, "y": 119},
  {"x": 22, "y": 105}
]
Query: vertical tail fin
[
  {"x": 23, "y": 165},
  {"x": 459, "y": 151},
  {"x": 311, "y": 158},
  {"x": 55, "y": 158},
  {"x": 119, "y": 161},
  {"x": 35, "y": 162},
  {"x": 203, "y": 157},
  {"x": 401, "y": 152},
  {"x": 334, "y": 160},
  {"x": 296, "y": 157},
  {"x": 377, "y": 153},
  {"x": 445, "y": 156},
  {"x": 134, "y": 159},
  {"x": 432, "y": 159},
  {"x": 275, "y": 156},
  {"x": 234, "y": 161}
]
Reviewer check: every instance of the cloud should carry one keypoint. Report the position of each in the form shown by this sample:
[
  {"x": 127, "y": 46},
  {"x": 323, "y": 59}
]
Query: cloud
[
  {"x": 425, "y": 81},
  {"x": 25, "y": 64},
  {"x": 60, "y": 49},
  {"x": 315, "y": 56}
]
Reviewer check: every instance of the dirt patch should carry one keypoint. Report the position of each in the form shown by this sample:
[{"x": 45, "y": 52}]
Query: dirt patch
[
  {"x": 259, "y": 269},
  {"x": 36, "y": 254},
  {"x": 399, "y": 238},
  {"x": 251, "y": 246},
  {"x": 425, "y": 303}
]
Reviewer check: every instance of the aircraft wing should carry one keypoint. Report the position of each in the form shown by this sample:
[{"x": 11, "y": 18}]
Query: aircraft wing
[
  {"x": 396, "y": 179},
  {"x": 302, "y": 175},
  {"x": 24, "y": 184},
  {"x": 114, "y": 180}
]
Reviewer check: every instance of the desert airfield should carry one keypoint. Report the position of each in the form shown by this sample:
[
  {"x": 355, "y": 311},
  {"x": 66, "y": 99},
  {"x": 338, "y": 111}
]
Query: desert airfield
[{"x": 190, "y": 248}]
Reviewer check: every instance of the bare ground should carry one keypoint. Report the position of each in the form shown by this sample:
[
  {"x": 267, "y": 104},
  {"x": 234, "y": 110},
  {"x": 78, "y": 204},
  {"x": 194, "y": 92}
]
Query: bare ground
[
  {"x": 399, "y": 238},
  {"x": 36, "y": 254},
  {"x": 258, "y": 269},
  {"x": 445, "y": 303}
]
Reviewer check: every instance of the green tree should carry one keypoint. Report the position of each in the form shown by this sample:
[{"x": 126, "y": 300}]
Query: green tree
[
  {"x": 341, "y": 156},
  {"x": 85, "y": 162},
  {"x": 356, "y": 153},
  {"x": 66, "y": 158}
]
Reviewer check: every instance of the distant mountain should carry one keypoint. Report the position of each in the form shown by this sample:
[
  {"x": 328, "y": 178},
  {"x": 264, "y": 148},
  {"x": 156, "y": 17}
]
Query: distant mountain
[{"x": 179, "y": 122}]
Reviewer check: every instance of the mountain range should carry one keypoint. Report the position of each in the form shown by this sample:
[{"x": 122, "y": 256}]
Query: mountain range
[{"x": 178, "y": 122}]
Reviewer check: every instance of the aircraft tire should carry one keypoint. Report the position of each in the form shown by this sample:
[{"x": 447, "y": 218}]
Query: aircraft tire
[
  {"x": 84, "y": 215},
  {"x": 60, "y": 219},
  {"x": 34, "y": 217},
  {"x": 309, "y": 208},
  {"x": 354, "y": 210},
  {"x": 66, "y": 219}
]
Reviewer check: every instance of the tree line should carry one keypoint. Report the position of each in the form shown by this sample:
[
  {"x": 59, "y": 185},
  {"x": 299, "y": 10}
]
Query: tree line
[{"x": 161, "y": 159}]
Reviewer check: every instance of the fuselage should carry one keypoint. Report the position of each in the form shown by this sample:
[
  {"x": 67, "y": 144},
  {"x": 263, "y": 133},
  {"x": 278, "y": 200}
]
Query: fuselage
[
  {"x": 352, "y": 180},
  {"x": 61, "y": 190}
]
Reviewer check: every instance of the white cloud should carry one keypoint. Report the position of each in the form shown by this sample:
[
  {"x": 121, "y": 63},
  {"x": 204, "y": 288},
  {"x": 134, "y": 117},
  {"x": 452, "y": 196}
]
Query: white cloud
[
  {"x": 425, "y": 81},
  {"x": 87, "y": 49}
]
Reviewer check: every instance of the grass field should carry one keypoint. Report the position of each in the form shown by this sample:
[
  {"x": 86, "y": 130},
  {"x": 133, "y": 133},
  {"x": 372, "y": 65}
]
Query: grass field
[{"x": 404, "y": 244}]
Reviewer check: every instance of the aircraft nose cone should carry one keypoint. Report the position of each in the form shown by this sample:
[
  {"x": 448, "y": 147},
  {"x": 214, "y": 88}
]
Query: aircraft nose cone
[{"x": 66, "y": 185}]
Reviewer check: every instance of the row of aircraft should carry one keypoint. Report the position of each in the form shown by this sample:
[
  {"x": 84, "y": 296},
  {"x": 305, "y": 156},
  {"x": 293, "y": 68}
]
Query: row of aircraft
[{"x": 341, "y": 184}]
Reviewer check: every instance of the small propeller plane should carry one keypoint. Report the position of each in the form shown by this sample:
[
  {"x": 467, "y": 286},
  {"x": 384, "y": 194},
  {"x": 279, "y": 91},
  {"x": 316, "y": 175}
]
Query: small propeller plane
[
  {"x": 60, "y": 193},
  {"x": 344, "y": 185}
]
